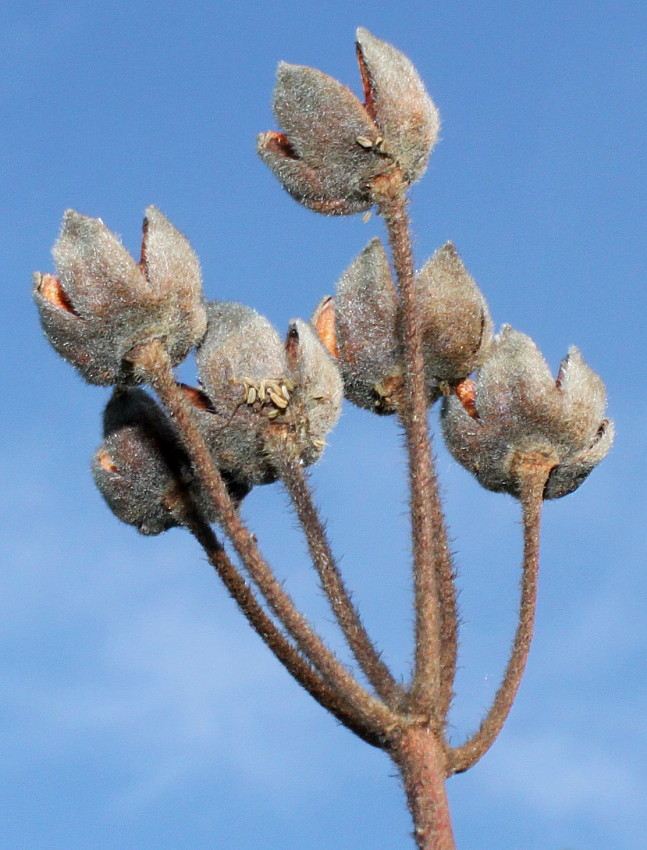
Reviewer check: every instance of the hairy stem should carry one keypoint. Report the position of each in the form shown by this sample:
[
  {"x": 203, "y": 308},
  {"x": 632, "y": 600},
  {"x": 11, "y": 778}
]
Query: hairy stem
[
  {"x": 421, "y": 761},
  {"x": 435, "y": 595},
  {"x": 533, "y": 472},
  {"x": 273, "y": 638},
  {"x": 153, "y": 360},
  {"x": 332, "y": 584}
]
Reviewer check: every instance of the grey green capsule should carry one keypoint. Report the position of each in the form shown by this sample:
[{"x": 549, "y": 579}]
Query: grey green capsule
[
  {"x": 332, "y": 147},
  {"x": 268, "y": 398},
  {"x": 516, "y": 407},
  {"x": 102, "y": 304},
  {"x": 452, "y": 315}
]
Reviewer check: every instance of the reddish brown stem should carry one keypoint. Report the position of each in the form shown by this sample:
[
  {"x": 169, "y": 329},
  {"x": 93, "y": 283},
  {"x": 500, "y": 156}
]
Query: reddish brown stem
[
  {"x": 533, "y": 472},
  {"x": 333, "y": 586},
  {"x": 435, "y": 595},
  {"x": 274, "y": 639},
  {"x": 421, "y": 760},
  {"x": 153, "y": 361}
]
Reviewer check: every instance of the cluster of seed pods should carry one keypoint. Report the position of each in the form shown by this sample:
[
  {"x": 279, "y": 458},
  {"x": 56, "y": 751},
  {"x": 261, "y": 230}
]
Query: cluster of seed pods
[
  {"x": 259, "y": 395},
  {"x": 262, "y": 399},
  {"x": 338, "y": 156}
]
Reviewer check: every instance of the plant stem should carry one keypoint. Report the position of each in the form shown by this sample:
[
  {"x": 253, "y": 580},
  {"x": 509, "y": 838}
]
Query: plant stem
[
  {"x": 421, "y": 761},
  {"x": 153, "y": 361},
  {"x": 332, "y": 583},
  {"x": 435, "y": 595},
  {"x": 533, "y": 471},
  {"x": 273, "y": 638}
]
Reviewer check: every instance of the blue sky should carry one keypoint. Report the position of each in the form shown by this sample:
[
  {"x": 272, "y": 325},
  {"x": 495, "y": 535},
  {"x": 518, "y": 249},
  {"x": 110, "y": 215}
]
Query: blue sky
[{"x": 138, "y": 709}]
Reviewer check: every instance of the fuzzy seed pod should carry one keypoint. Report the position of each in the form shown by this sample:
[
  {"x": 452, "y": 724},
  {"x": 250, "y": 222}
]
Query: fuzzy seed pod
[
  {"x": 366, "y": 311},
  {"x": 452, "y": 313},
  {"x": 454, "y": 317},
  {"x": 264, "y": 396},
  {"x": 332, "y": 147},
  {"x": 396, "y": 99},
  {"x": 143, "y": 471},
  {"x": 318, "y": 390},
  {"x": 102, "y": 304},
  {"x": 516, "y": 408}
]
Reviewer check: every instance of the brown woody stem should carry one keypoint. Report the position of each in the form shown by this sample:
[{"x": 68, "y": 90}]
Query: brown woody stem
[
  {"x": 152, "y": 359},
  {"x": 435, "y": 595},
  {"x": 533, "y": 471},
  {"x": 332, "y": 583},
  {"x": 421, "y": 761}
]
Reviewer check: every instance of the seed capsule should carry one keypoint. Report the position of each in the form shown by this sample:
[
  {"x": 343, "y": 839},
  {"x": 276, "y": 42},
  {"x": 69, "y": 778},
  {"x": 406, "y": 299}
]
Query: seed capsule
[{"x": 515, "y": 408}]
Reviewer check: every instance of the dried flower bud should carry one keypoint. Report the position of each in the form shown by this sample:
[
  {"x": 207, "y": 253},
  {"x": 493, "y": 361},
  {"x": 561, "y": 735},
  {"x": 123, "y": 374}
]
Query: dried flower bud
[
  {"x": 103, "y": 304},
  {"x": 516, "y": 408},
  {"x": 455, "y": 321},
  {"x": 332, "y": 147},
  {"x": 265, "y": 396},
  {"x": 143, "y": 471}
]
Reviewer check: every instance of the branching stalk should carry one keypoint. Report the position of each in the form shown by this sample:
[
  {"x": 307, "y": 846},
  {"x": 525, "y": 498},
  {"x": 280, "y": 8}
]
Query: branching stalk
[
  {"x": 153, "y": 360},
  {"x": 332, "y": 583},
  {"x": 274, "y": 639},
  {"x": 335, "y": 155}
]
